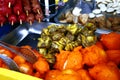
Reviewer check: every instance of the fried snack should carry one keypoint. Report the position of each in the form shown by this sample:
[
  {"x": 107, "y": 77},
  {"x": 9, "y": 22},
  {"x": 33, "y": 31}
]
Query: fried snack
[
  {"x": 111, "y": 41},
  {"x": 41, "y": 65},
  {"x": 60, "y": 59},
  {"x": 114, "y": 55},
  {"x": 68, "y": 60},
  {"x": 105, "y": 72},
  {"x": 83, "y": 18},
  {"x": 84, "y": 74},
  {"x": 6, "y": 52},
  {"x": 68, "y": 77},
  {"x": 19, "y": 60},
  {"x": 99, "y": 44},
  {"x": 93, "y": 55},
  {"x": 51, "y": 75},
  {"x": 68, "y": 74},
  {"x": 26, "y": 68}
]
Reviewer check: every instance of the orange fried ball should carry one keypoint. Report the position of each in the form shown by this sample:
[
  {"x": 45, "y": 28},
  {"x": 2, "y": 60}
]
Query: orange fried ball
[
  {"x": 19, "y": 60},
  {"x": 41, "y": 65},
  {"x": 26, "y": 68},
  {"x": 94, "y": 55},
  {"x": 67, "y": 77},
  {"x": 61, "y": 59},
  {"x": 114, "y": 55},
  {"x": 84, "y": 74},
  {"x": 67, "y": 74},
  {"x": 68, "y": 60},
  {"x": 107, "y": 71},
  {"x": 111, "y": 41},
  {"x": 52, "y": 74}
]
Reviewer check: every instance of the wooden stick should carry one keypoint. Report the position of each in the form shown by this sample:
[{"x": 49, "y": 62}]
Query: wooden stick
[
  {"x": 12, "y": 23},
  {"x": 38, "y": 11},
  {"x": 39, "y": 20},
  {"x": 30, "y": 22},
  {"x": 27, "y": 13},
  {"x": 1, "y": 24},
  {"x": 20, "y": 21},
  {"x": 9, "y": 4}
]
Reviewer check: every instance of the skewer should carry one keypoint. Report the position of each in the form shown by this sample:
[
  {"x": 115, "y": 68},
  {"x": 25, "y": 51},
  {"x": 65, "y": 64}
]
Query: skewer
[
  {"x": 1, "y": 24},
  {"x": 18, "y": 12},
  {"x": 20, "y": 21},
  {"x": 39, "y": 20},
  {"x": 12, "y": 23},
  {"x": 30, "y": 22},
  {"x": 27, "y": 13},
  {"x": 6, "y": 15},
  {"x": 9, "y": 4},
  {"x": 38, "y": 11}
]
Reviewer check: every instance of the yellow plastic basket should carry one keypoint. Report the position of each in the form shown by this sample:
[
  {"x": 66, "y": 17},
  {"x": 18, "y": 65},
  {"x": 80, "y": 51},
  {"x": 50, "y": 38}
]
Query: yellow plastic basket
[
  {"x": 6, "y": 74},
  {"x": 57, "y": 1}
]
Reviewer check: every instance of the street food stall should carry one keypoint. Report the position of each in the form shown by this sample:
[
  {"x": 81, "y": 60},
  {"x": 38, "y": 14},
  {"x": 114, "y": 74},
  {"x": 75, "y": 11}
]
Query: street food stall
[{"x": 60, "y": 40}]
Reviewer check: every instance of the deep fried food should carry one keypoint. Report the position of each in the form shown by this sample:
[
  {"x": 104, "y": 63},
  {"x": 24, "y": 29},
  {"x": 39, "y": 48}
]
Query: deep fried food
[
  {"x": 26, "y": 68},
  {"x": 60, "y": 59},
  {"x": 107, "y": 71},
  {"x": 94, "y": 55},
  {"x": 41, "y": 65},
  {"x": 99, "y": 44},
  {"x": 51, "y": 75},
  {"x": 114, "y": 55},
  {"x": 68, "y": 60},
  {"x": 74, "y": 61},
  {"x": 111, "y": 41},
  {"x": 84, "y": 74},
  {"x": 68, "y": 77},
  {"x": 19, "y": 60},
  {"x": 67, "y": 74}
]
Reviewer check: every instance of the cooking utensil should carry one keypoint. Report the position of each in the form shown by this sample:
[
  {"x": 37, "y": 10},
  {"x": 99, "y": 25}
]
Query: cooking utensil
[
  {"x": 9, "y": 62},
  {"x": 26, "y": 53},
  {"x": 17, "y": 35}
]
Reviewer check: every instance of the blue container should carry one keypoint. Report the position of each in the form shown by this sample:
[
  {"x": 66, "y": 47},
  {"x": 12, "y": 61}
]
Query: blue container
[{"x": 5, "y": 29}]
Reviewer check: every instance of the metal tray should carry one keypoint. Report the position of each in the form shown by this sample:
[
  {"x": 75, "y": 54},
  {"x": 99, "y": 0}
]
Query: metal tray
[
  {"x": 28, "y": 35},
  {"x": 86, "y": 7}
]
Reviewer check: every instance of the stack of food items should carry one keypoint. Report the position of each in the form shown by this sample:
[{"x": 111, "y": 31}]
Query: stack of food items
[
  {"x": 105, "y": 15},
  {"x": 38, "y": 69},
  {"x": 107, "y": 6},
  {"x": 60, "y": 37},
  {"x": 13, "y": 11},
  {"x": 97, "y": 61},
  {"x": 72, "y": 52}
]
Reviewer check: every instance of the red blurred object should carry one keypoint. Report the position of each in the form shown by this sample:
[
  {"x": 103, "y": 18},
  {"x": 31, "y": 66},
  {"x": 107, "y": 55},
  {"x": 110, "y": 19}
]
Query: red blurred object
[
  {"x": 1, "y": 10},
  {"x": 2, "y": 20},
  {"x": 30, "y": 18},
  {"x": 111, "y": 41},
  {"x": 1, "y": 2},
  {"x": 27, "y": 7},
  {"x": 10, "y": 2},
  {"x": 6, "y": 11},
  {"x": 39, "y": 17},
  {"x": 18, "y": 8},
  {"x": 12, "y": 19},
  {"x": 36, "y": 7},
  {"x": 22, "y": 17}
]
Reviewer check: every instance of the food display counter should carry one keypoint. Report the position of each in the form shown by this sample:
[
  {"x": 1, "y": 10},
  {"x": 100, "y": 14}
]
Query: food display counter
[{"x": 80, "y": 42}]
